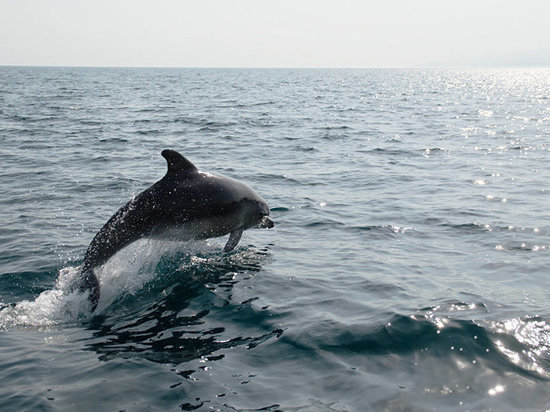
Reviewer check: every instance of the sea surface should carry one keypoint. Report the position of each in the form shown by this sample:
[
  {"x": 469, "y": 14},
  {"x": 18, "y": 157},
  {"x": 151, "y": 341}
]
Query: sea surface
[{"x": 409, "y": 268}]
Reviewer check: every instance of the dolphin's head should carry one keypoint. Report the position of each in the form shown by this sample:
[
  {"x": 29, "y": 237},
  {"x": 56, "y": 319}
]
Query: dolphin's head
[
  {"x": 256, "y": 213},
  {"x": 243, "y": 207},
  {"x": 210, "y": 205}
]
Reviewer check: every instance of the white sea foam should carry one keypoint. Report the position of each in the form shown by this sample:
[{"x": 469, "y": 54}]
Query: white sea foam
[
  {"x": 125, "y": 273},
  {"x": 54, "y": 306}
]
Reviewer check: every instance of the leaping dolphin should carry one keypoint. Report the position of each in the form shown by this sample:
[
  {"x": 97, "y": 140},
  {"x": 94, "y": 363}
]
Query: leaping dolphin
[{"x": 185, "y": 204}]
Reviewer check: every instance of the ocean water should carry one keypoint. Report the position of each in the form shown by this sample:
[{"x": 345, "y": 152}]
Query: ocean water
[{"x": 409, "y": 268}]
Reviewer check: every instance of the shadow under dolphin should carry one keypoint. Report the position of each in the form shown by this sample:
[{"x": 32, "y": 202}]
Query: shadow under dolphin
[{"x": 182, "y": 323}]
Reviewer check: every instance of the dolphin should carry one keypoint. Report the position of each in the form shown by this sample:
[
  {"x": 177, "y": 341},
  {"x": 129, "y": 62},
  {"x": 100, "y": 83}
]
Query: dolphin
[{"x": 185, "y": 204}]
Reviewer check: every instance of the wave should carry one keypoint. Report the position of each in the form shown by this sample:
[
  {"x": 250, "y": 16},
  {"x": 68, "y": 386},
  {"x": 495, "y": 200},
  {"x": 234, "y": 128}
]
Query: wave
[
  {"x": 383, "y": 229},
  {"x": 233, "y": 104},
  {"x": 520, "y": 345},
  {"x": 521, "y": 247},
  {"x": 280, "y": 178},
  {"x": 412, "y": 152},
  {"x": 476, "y": 227}
]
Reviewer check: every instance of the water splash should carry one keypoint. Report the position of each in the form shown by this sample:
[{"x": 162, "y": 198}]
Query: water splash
[
  {"x": 124, "y": 274},
  {"x": 51, "y": 307}
]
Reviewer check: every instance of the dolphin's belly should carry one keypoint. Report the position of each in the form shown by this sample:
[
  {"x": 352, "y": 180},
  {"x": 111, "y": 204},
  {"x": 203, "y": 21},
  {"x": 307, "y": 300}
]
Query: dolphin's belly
[{"x": 197, "y": 229}]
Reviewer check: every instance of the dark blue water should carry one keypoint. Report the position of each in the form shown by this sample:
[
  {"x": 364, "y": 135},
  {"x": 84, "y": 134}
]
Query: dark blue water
[{"x": 408, "y": 269}]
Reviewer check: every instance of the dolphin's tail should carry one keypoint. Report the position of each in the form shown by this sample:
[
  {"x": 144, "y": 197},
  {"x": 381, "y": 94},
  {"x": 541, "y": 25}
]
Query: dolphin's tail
[{"x": 88, "y": 282}]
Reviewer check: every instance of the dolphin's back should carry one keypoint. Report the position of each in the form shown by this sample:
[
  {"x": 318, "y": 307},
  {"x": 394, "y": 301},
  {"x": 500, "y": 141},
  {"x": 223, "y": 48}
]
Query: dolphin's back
[
  {"x": 131, "y": 222},
  {"x": 127, "y": 225}
]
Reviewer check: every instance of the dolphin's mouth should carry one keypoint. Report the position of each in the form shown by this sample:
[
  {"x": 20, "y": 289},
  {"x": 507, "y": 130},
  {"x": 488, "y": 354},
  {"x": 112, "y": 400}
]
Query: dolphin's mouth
[{"x": 266, "y": 223}]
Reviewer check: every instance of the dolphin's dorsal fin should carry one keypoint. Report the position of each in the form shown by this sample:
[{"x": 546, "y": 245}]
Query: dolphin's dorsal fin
[{"x": 177, "y": 163}]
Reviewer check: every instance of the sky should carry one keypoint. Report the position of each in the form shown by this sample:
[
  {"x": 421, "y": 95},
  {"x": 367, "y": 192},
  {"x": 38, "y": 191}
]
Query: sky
[{"x": 282, "y": 33}]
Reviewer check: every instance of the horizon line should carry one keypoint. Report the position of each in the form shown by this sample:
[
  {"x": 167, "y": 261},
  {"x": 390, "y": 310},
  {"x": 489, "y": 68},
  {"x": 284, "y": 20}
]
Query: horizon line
[{"x": 412, "y": 67}]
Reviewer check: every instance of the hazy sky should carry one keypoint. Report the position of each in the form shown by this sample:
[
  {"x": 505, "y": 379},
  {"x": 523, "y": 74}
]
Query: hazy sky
[{"x": 282, "y": 33}]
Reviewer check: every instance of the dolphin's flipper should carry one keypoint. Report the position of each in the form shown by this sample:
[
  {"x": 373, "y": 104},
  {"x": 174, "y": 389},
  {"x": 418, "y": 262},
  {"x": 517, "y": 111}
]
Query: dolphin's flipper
[{"x": 234, "y": 238}]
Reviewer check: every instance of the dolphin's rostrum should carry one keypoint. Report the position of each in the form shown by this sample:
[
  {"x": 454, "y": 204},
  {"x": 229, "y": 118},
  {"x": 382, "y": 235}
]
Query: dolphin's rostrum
[{"x": 185, "y": 204}]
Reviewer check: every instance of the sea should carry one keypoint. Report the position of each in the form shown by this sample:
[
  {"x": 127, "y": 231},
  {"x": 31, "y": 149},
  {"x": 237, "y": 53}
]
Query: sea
[{"x": 408, "y": 269}]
